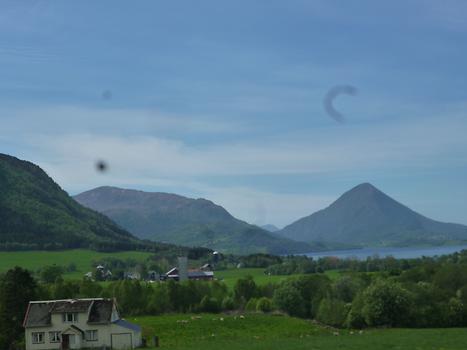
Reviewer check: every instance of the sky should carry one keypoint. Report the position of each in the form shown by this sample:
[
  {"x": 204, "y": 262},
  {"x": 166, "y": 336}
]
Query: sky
[{"x": 224, "y": 99}]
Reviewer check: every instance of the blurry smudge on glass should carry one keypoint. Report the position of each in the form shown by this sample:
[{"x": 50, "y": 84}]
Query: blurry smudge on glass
[
  {"x": 331, "y": 95},
  {"x": 106, "y": 95},
  {"x": 101, "y": 166}
]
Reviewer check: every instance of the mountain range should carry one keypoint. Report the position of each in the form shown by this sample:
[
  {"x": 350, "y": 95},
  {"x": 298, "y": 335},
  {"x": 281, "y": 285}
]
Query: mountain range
[
  {"x": 176, "y": 219},
  {"x": 35, "y": 213},
  {"x": 365, "y": 216}
]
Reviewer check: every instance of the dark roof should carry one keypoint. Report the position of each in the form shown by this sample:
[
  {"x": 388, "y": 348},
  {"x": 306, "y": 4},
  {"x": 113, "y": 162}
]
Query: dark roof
[
  {"x": 39, "y": 312},
  {"x": 128, "y": 325},
  {"x": 38, "y": 315},
  {"x": 72, "y": 305},
  {"x": 198, "y": 273},
  {"x": 101, "y": 311}
]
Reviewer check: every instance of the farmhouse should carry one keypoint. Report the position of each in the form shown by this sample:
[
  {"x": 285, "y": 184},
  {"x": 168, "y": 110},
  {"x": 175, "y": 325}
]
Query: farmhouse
[
  {"x": 190, "y": 274},
  {"x": 78, "y": 324}
]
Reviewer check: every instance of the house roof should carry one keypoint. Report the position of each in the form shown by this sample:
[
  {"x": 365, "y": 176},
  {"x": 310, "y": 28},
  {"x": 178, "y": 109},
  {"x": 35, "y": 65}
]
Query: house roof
[
  {"x": 101, "y": 311},
  {"x": 199, "y": 273},
  {"x": 39, "y": 313},
  {"x": 128, "y": 325},
  {"x": 71, "y": 305}
]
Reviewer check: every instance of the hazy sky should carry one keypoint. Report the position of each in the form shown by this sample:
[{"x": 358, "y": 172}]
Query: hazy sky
[{"x": 224, "y": 99}]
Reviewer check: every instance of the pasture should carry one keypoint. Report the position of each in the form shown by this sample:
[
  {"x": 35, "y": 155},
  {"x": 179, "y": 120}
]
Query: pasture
[
  {"x": 230, "y": 276},
  {"x": 258, "y": 332},
  {"x": 82, "y": 258}
]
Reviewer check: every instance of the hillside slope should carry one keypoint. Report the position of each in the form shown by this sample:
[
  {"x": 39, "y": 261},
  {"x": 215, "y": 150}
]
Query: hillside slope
[
  {"x": 192, "y": 222},
  {"x": 365, "y": 216},
  {"x": 35, "y": 213}
]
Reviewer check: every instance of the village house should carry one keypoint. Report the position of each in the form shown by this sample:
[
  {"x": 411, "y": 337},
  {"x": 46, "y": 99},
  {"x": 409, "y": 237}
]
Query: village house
[
  {"x": 192, "y": 274},
  {"x": 78, "y": 324}
]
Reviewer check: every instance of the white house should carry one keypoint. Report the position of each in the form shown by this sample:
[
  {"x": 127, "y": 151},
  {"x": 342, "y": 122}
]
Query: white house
[{"x": 78, "y": 324}]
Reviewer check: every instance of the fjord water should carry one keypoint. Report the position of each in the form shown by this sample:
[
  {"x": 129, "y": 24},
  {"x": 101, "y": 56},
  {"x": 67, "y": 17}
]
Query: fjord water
[{"x": 398, "y": 253}]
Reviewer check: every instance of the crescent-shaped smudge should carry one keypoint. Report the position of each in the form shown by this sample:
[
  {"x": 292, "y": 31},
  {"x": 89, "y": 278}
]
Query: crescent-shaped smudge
[{"x": 331, "y": 95}]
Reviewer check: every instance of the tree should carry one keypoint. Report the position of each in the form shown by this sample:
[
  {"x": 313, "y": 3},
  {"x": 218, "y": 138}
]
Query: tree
[
  {"x": 387, "y": 303},
  {"x": 288, "y": 299},
  {"x": 346, "y": 288},
  {"x": 17, "y": 289},
  {"x": 52, "y": 273},
  {"x": 245, "y": 289},
  {"x": 332, "y": 312}
]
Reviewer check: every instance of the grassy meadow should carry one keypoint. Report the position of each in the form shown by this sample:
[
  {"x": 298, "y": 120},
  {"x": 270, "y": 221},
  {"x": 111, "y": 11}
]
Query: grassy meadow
[
  {"x": 229, "y": 277},
  {"x": 33, "y": 260},
  {"x": 258, "y": 331}
]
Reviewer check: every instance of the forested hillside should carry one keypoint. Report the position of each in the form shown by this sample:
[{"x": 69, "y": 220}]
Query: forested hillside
[{"x": 35, "y": 213}]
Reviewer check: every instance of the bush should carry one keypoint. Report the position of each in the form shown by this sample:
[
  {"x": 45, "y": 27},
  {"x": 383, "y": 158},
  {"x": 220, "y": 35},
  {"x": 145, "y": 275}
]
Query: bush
[
  {"x": 209, "y": 304},
  {"x": 228, "y": 304},
  {"x": 386, "y": 304},
  {"x": 287, "y": 298},
  {"x": 245, "y": 289},
  {"x": 264, "y": 305},
  {"x": 251, "y": 305},
  {"x": 332, "y": 312},
  {"x": 355, "y": 318}
]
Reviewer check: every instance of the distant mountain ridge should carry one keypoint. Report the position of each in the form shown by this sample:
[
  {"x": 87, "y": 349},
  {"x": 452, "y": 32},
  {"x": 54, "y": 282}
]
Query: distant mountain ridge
[
  {"x": 176, "y": 219},
  {"x": 35, "y": 213},
  {"x": 365, "y": 216},
  {"x": 270, "y": 228}
]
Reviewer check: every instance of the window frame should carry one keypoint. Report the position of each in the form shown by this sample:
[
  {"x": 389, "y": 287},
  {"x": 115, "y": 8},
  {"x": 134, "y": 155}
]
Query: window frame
[
  {"x": 91, "y": 332},
  {"x": 55, "y": 337},
  {"x": 74, "y": 317},
  {"x": 35, "y": 337}
]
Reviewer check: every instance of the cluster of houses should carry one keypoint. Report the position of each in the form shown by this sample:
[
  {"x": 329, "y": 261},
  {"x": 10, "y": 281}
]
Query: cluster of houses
[{"x": 179, "y": 273}]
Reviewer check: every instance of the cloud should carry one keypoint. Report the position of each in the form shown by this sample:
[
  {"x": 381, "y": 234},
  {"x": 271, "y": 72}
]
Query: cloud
[{"x": 141, "y": 158}]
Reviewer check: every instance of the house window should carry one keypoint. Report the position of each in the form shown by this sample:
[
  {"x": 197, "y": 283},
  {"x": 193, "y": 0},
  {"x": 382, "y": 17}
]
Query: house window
[
  {"x": 91, "y": 335},
  {"x": 72, "y": 339},
  {"x": 38, "y": 337},
  {"x": 70, "y": 317},
  {"x": 54, "y": 337}
]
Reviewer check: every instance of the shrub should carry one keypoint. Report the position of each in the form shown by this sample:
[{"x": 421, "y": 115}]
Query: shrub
[
  {"x": 251, "y": 305},
  {"x": 228, "y": 304},
  {"x": 332, "y": 312},
  {"x": 209, "y": 304},
  {"x": 287, "y": 298},
  {"x": 386, "y": 304},
  {"x": 264, "y": 305}
]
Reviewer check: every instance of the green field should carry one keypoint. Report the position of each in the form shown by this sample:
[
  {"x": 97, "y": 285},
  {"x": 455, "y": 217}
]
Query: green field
[
  {"x": 33, "y": 260},
  {"x": 256, "y": 331},
  {"x": 229, "y": 277},
  {"x": 83, "y": 258}
]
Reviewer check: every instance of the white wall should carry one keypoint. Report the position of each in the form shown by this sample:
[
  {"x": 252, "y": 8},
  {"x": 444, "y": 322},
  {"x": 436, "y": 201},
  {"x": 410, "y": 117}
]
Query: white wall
[{"x": 104, "y": 333}]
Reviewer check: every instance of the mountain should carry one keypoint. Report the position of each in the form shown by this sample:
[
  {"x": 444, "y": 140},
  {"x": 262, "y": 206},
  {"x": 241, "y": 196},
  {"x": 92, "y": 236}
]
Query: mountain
[
  {"x": 192, "y": 222},
  {"x": 35, "y": 213},
  {"x": 270, "y": 228},
  {"x": 365, "y": 216}
]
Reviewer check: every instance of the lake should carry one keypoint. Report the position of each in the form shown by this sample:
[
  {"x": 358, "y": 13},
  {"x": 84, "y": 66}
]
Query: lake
[{"x": 398, "y": 253}]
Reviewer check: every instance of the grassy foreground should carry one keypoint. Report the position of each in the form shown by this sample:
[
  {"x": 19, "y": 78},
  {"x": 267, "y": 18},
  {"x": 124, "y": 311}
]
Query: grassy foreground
[
  {"x": 83, "y": 258},
  {"x": 255, "y": 331}
]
